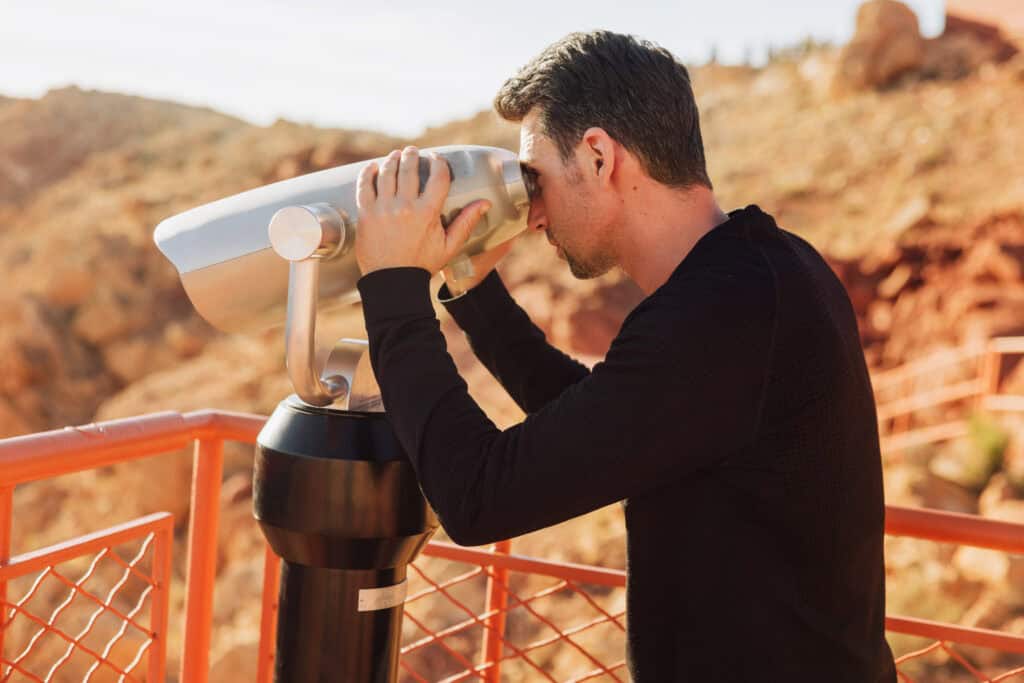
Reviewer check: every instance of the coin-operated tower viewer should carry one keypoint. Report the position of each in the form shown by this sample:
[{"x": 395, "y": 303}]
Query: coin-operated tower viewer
[{"x": 333, "y": 491}]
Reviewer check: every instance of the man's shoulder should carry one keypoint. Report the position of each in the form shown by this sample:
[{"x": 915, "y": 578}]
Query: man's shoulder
[
  {"x": 734, "y": 271},
  {"x": 714, "y": 296},
  {"x": 751, "y": 250}
]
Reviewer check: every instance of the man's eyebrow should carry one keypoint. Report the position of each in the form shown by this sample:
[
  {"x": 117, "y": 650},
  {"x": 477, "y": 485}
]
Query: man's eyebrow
[{"x": 527, "y": 166}]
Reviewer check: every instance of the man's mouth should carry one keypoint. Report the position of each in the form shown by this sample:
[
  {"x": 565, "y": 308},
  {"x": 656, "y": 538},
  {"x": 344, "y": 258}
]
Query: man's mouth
[{"x": 558, "y": 248}]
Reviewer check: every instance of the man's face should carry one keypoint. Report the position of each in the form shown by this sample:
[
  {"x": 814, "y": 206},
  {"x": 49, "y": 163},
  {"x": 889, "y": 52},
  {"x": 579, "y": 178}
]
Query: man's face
[{"x": 564, "y": 202}]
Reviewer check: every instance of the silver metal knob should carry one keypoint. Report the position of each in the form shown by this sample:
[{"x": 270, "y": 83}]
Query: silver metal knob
[{"x": 307, "y": 231}]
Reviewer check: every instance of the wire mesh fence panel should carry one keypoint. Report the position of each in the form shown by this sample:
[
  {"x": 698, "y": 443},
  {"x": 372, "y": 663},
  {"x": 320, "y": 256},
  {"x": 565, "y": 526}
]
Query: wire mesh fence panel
[
  {"x": 954, "y": 603},
  {"x": 90, "y": 610},
  {"x": 946, "y": 662},
  {"x": 555, "y": 629},
  {"x": 442, "y": 627},
  {"x": 95, "y": 608}
]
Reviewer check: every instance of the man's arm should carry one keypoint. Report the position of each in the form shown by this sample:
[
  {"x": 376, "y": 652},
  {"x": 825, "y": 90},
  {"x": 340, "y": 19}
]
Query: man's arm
[
  {"x": 515, "y": 350},
  {"x": 680, "y": 390}
]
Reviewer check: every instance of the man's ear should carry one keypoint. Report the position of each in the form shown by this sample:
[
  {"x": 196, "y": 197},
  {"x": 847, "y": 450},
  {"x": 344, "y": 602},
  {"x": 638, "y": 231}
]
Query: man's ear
[{"x": 599, "y": 150}]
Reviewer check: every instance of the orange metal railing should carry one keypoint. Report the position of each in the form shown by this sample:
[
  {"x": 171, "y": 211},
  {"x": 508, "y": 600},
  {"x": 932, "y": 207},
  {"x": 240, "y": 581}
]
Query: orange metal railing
[
  {"x": 953, "y": 380},
  {"x": 41, "y": 456},
  {"x": 483, "y": 591},
  {"x": 156, "y": 531}
]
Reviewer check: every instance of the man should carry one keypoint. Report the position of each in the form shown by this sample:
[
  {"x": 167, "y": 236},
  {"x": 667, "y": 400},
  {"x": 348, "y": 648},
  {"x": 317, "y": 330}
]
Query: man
[{"x": 733, "y": 414}]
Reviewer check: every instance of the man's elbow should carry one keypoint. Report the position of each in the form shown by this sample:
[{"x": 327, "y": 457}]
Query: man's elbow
[
  {"x": 466, "y": 513},
  {"x": 468, "y": 532}
]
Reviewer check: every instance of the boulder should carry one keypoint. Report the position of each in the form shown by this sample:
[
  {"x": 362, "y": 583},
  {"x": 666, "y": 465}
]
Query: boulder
[
  {"x": 982, "y": 565},
  {"x": 999, "y": 489},
  {"x": 886, "y": 44},
  {"x": 11, "y": 422},
  {"x": 109, "y": 315},
  {"x": 942, "y": 494},
  {"x": 902, "y": 483},
  {"x": 957, "y": 54},
  {"x": 1000, "y": 571},
  {"x": 966, "y": 463},
  {"x": 133, "y": 358},
  {"x": 69, "y": 286},
  {"x": 187, "y": 337},
  {"x": 30, "y": 348},
  {"x": 161, "y": 483}
]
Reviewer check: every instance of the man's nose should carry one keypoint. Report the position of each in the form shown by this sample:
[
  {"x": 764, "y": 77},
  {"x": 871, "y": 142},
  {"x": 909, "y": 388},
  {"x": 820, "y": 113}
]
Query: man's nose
[{"x": 537, "y": 219}]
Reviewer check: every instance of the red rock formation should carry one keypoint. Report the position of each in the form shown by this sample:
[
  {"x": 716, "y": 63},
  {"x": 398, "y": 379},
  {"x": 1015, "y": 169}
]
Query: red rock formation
[
  {"x": 1003, "y": 16},
  {"x": 887, "y": 43}
]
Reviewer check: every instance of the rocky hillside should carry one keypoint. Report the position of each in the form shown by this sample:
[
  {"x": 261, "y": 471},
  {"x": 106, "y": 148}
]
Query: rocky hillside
[
  {"x": 47, "y": 139},
  {"x": 94, "y": 313},
  {"x": 902, "y": 167}
]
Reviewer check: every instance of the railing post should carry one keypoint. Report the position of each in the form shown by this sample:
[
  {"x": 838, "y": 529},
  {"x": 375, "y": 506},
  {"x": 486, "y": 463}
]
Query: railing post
[
  {"x": 161, "y": 597},
  {"x": 202, "y": 559},
  {"x": 268, "y": 620},
  {"x": 6, "y": 508},
  {"x": 497, "y": 604}
]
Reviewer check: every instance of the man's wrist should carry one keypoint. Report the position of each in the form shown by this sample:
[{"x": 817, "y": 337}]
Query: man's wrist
[
  {"x": 481, "y": 298},
  {"x": 388, "y": 293},
  {"x": 453, "y": 290}
]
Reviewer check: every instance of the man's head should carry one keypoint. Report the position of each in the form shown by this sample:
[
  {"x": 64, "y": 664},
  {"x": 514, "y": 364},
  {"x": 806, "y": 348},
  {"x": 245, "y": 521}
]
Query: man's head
[{"x": 595, "y": 107}]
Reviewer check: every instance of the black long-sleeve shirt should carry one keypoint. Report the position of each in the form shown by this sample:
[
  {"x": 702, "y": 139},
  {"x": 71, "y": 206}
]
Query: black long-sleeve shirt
[{"x": 734, "y": 417}]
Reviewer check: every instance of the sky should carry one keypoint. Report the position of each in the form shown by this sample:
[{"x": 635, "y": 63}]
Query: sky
[{"x": 396, "y": 66}]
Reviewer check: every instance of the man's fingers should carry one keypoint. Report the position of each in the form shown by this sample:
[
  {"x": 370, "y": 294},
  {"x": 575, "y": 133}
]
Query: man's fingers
[
  {"x": 386, "y": 181},
  {"x": 497, "y": 253},
  {"x": 438, "y": 183},
  {"x": 459, "y": 230},
  {"x": 409, "y": 173},
  {"x": 365, "y": 194}
]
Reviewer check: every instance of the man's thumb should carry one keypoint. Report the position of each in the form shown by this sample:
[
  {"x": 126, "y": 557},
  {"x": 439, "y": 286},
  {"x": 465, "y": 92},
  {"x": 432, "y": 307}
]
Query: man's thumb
[{"x": 459, "y": 230}]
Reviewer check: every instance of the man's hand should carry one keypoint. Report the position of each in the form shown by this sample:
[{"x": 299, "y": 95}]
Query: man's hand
[
  {"x": 483, "y": 264},
  {"x": 398, "y": 226}
]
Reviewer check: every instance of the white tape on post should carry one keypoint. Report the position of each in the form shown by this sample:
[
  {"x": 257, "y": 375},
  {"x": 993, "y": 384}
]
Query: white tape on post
[{"x": 371, "y": 599}]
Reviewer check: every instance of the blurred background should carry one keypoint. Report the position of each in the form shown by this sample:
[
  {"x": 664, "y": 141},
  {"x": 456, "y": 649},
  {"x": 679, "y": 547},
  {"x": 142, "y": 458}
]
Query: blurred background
[{"x": 888, "y": 134}]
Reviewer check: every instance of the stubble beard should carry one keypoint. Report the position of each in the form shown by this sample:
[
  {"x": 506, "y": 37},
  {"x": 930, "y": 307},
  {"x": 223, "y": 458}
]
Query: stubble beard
[
  {"x": 599, "y": 263},
  {"x": 589, "y": 269}
]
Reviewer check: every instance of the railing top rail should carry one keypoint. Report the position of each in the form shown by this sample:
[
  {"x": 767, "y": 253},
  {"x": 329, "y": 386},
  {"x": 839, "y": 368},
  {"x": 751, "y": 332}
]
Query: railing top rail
[
  {"x": 599, "y": 576},
  {"x": 955, "y": 527},
  {"x": 48, "y": 454},
  {"x": 948, "y": 393},
  {"x": 934, "y": 434},
  {"x": 41, "y": 558},
  {"x": 965, "y": 635},
  {"x": 935, "y": 525},
  {"x": 883, "y": 379},
  {"x": 1003, "y": 404},
  {"x": 936, "y": 359},
  {"x": 37, "y": 456},
  {"x": 1012, "y": 345}
]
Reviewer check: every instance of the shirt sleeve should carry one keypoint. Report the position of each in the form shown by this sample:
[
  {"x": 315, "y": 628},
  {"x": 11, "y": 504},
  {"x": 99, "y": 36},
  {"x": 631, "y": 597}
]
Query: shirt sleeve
[
  {"x": 510, "y": 346},
  {"x": 680, "y": 390}
]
